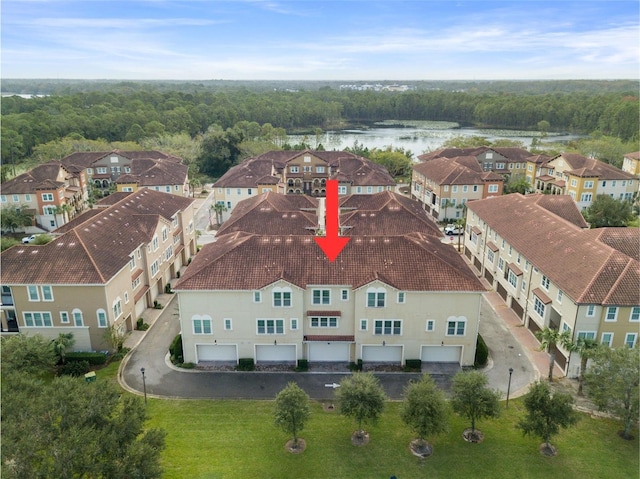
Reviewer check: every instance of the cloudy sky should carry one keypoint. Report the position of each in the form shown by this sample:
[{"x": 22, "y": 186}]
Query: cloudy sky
[{"x": 324, "y": 40}]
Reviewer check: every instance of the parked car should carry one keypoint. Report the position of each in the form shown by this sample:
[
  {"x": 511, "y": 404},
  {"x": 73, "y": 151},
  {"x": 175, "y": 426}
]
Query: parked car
[
  {"x": 452, "y": 230},
  {"x": 29, "y": 239}
]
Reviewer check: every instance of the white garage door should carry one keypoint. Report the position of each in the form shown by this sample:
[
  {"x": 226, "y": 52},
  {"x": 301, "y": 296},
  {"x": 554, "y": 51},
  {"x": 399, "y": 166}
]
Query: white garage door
[
  {"x": 382, "y": 354},
  {"x": 332, "y": 351},
  {"x": 280, "y": 352},
  {"x": 216, "y": 352},
  {"x": 441, "y": 354}
]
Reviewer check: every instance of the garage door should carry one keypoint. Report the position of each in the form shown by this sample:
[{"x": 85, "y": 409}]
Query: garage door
[
  {"x": 280, "y": 352},
  {"x": 382, "y": 354},
  {"x": 217, "y": 352},
  {"x": 331, "y": 351},
  {"x": 441, "y": 354}
]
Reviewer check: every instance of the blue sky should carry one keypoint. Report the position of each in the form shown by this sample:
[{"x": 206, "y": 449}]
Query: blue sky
[{"x": 313, "y": 40}]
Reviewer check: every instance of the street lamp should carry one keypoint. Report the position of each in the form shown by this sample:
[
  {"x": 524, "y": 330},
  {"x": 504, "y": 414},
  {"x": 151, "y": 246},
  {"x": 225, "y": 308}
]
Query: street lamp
[
  {"x": 144, "y": 386},
  {"x": 509, "y": 386}
]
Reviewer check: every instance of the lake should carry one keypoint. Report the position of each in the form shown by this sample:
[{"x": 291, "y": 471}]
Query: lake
[{"x": 419, "y": 137}]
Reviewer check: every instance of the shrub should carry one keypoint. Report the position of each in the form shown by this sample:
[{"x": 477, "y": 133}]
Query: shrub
[
  {"x": 356, "y": 366},
  {"x": 167, "y": 288},
  {"x": 188, "y": 365},
  {"x": 94, "y": 359},
  {"x": 156, "y": 304},
  {"x": 482, "y": 353},
  {"x": 175, "y": 350},
  {"x": 178, "y": 274},
  {"x": 303, "y": 365},
  {"x": 141, "y": 325},
  {"x": 75, "y": 368},
  {"x": 413, "y": 365},
  {"x": 246, "y": 364}
]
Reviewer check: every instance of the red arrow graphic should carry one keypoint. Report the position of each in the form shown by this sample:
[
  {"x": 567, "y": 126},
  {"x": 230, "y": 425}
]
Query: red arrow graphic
[{"x": 332, "y": 244}]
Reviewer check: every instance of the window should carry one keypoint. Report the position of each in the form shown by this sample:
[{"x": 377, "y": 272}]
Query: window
[
  {"x": 513, "y": 279},
  {"x": 500, "y": 166},
  {"x": 574, "y": 182},
  {"x": 270, "y": 326},
  {"x": 376, "y": 297},
  {"x": 4, "y": 198},
  {"x": 64, "y": 317},
  {"x": 585, "y": 197},
  {"x": 307, "y": 169},
  {"x": 38, "y": 319},
  {"x": 101, "y": 314},
  {"x": 369, "y": 189},
  {"x": 475, "y": 188},
  {"x": 490, "y": 256},
  {"x": 635, "y": 314},
  {"x": 294, "y": 324},
  {"x": 456, "y": 327},
  {"x": 401, "y": 297},
  {"x": 77, "y": 317},
  {"x": 344, "y": 295},
  {"x": 324, "y": 322},
  {"x": 47, "y": 293},
  {"x": 238, "y": 191},
  {"x": 630, "y": 339},
  {"x": 607, "y": 339},
  {"x": 545, "y": 282},
  {"x": 201, "y": 324},
  {"x": 560, "y": 296},
  {"x": 227, "y": 324},
  {"x": 363, "y": 325},
  {"x": 342, "y": 190},
  {"x": 117, "y": 308},
  {"x": 132, "y": 263},
  {"x": 135, "y": 283},
  {"x": 539, "y": 307},
  {"x": 591, "y": 310},
  {"x": 465, "y": 188},
  {"x": 33, "y": 293},
  {"x": 319, "y": 169},
  {"x": 47, "y": 197},
  {"x": 430, "y": 325},
  {"x": 588, "y": 184},
  {"x": 454, "y": 189},
  {"x": 321, "y": 296},
  {"x": 358, "y": 189},
  {"x": 126, "y": 297},
  {"x": 500, "y": 264},
  {"x": 16, "y": 198},
  {"x": 154, "y": 268},
  {"x": 257, "y": 297},
  {"x": 586, "y": 335},
  {"x": 155, "y": 243},
  {"x": 294, "y": 169},
  {"x": 282, "y": 297},
  {"x": 387, "y": 326},
  {"x": 165, "y": 234},
  {"x": 612, "y": 314},
  {"x": 493, "y": 188},
  {"x": 249, "y": 192}
]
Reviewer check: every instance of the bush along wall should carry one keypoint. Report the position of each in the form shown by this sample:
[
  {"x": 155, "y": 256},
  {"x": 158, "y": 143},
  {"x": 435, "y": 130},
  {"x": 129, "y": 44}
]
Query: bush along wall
[{"x": 482, "y": 353}]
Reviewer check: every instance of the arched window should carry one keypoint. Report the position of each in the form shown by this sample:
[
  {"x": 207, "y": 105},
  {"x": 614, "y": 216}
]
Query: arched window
[
  {"x": 77, "y": 317},
  {"x": 101, "y": 314},
  {"x": 201, "y": 324}
]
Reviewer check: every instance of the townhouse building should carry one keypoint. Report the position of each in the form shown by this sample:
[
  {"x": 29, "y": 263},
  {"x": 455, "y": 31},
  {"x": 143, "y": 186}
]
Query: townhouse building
[
  {"x": 300, "y": 172},
  {"x": 271, "y": 295},
  {"x": 507, "y": 161},
  {"x": 444, "y": 185},
  {"x": 631, "y": 163},
  {"x": 52, "y": 192},
  {"x": 583, "y": 179},
  {"x": 104, "y": 270},
  {"x": 553, "y": 272}
]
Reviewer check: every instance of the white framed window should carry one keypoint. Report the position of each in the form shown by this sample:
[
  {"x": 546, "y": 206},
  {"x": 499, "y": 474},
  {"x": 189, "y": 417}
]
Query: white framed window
[
  {"x": 228, "y": 324},
  {"x": 538, "y": 307},
  {"x": 500, "y": 264},
  {"x": 513, "y": 279},
  {"x": 630, "y": 339},
  {"x": 376, "y": 297},
  {"x": 117, "y": 308},
  {"x": 135, "y": 283},
  {"x": 321, "y": 296},
  {"x": 201, "y": 324},
  {"x": 585, "y": 197},
  {"x": 47, "y": 197},
  {"x": 586, "y": 335},
  {"x": 545, "y": 283},
  {"x": 257, "y": 297},
  {"x": 132, "y": 263},
  {"x": 294, "y": 169},
  {"x": 454, "y": 189},
  {"x": 591, "y": 310},
  {"x": 588, "y": 185},
  {"x": 47, "y": 293},
  {"x": 154, "y": 268},
  {"x": 165, "y": 234},
  {"x": 101, "y": 314},
  {"x": 126, "y": 297},
  {"x": 493, "y": 188},
  {"x": 387, "y": 327},
  {"x": 606, "y": 339},
  {"x": 612, "y": 313},
  {"x": 293, "y": 324},
  {"x": 78, "y": 319},
  {"x": 401, "y": 297},
  {"x": 456, "y": 327},
  {"x": 490, "y": 256},
  {"x": 155, "y": 243},
  {"x": 64, "y": 317},
  {"x": 33, "y": 293},
  {"x": 3, "y": 198},
  {"x": 342, "y": 190},
  {"x": 270, "y": 326},
  {"x": 635, "y": 314},
  {"x": 38, "y": 319},
  {"x": 344, "y": 295},
  {"x": 307, "y": 169},
  {"x": 15, "y": 198},
  {"x": 430, "y": 325},
  {"x": 323, "y": 322},
  {"x": 560, "y": 296},
  {"x": 282, "y": 297},
  {"x": 369, "y": 189},
  {"x": 319, "y": 169},
  {"x": 364, "y": 325}
]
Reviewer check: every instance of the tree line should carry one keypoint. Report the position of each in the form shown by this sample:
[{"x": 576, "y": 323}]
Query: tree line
[{"x": 131, "y": 114}]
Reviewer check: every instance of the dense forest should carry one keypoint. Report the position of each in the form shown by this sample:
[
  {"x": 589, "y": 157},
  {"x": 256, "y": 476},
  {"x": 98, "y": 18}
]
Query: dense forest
[{"x": 132, "y": 111}]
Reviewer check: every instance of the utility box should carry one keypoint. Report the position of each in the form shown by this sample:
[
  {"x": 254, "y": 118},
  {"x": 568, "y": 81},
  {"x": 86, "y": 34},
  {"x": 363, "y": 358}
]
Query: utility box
[{"x": 90, "y": 377}]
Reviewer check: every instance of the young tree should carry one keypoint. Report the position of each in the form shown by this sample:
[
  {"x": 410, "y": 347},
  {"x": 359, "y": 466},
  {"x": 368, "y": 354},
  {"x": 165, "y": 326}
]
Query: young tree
[
  {"x": 473, "y": 399},
  {"x": 546, "y": 414},
  {"x": 612, "y": 384},
  {"x": 518, "y": 184},
  {"x": 61, "y": 345},
  {"x": 12, "y": 218},
  {"x": 549, "y": 338},
  {"x": 425, "y": 411},
  {"x": 605, "y": 211},
  {"x": 362, "y": 398},
  {"x": 292, "y": 410},
  {"x": 115, "y": 338}
]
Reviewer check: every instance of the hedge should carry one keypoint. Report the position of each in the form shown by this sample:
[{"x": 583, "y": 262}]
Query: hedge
[
  {"x": 94, "y": 359},
  {"x": 175, "y": 350}
]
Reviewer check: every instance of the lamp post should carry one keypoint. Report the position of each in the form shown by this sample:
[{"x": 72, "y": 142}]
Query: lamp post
[
  {"x": 509, "y": 386},
  {"x": 144, "y": 386}
]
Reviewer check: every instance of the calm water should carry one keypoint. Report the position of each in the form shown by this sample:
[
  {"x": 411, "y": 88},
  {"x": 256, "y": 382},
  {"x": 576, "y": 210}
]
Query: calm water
[{"x": 417, "y": 139}]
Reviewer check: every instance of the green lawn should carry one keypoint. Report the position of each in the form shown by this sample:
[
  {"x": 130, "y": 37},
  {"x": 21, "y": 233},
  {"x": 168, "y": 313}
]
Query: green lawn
[{"x": 237, "y": 439}]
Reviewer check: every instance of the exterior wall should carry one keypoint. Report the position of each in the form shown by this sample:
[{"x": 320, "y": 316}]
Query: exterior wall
[
  {"x": 631, "y": 165},
  {"x": 115, "y": 165},
  {"x": 180, "y": 190},
  {"x": 232, "y": 196},
  {"x": 127, "y": 187},
  {"x": 617, "y": 189}
]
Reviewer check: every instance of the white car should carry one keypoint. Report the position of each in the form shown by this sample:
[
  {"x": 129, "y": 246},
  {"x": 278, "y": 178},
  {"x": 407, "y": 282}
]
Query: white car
[
  {"x": 29, "y": 239},
  {"x": 453, "y": 230}
]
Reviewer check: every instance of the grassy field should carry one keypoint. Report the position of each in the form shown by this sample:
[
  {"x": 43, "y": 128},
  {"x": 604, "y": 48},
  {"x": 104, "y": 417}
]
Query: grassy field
[{"x": 237, "y": 439}]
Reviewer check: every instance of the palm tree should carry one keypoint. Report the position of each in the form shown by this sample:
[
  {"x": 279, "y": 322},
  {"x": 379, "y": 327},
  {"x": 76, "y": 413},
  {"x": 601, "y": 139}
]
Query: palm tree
[
  {"x": 549, "y": 338},
  {"x": 219, "y": 208},
  {"x": 60, "y": 345},
  {"x": 586, "y": 348}
]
